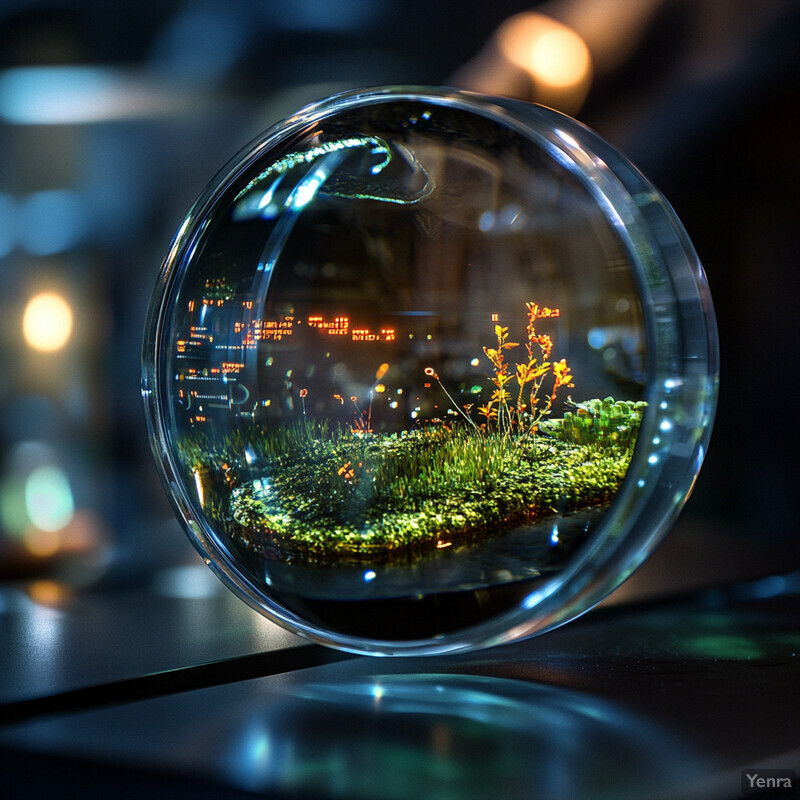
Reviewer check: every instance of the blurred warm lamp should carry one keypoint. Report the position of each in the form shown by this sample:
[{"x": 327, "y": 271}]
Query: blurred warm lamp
[
  {"x": 555, "y": 57},
  {"x": 47, "y": 322}
]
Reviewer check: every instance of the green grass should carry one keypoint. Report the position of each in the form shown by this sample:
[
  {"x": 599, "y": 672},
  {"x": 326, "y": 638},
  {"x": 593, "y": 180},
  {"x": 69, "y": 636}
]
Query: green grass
[{"x": 325, "y": 495}]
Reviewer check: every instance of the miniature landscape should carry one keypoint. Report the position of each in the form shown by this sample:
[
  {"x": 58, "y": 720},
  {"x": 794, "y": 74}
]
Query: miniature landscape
[{"x": 318, "y": 492}]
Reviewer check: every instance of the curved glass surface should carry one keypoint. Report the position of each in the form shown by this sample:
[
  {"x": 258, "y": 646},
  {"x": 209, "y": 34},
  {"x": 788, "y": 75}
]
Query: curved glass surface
[{"x": 428, "y": 371}]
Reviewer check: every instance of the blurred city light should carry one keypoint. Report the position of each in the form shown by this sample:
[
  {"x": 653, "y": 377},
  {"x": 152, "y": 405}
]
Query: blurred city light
[
  {"x": 555, "y": 56},
  {"x": 45, "y": 95},
  {"x": 46, "y": 592},
  {"x": 41, "y": 544},
  {"x": 48, "y": 498},
  {"x": 47, "y": 322},
  {"x": 52, "y": 221}
]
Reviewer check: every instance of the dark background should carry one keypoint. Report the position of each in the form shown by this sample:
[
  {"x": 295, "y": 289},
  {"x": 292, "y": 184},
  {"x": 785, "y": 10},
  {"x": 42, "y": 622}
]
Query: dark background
[{"x": 113, "y": 117}]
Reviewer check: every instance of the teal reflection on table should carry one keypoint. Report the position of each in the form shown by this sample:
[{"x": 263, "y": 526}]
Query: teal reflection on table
[{"x": 451, "y": 736}]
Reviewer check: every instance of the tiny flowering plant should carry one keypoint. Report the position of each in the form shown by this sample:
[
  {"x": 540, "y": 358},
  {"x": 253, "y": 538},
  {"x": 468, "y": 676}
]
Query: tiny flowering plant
[{"x": 523, "y": 406}]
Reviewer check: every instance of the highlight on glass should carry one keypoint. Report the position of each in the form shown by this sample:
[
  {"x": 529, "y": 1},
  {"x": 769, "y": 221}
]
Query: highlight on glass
[{"x": 428, "y": 371}]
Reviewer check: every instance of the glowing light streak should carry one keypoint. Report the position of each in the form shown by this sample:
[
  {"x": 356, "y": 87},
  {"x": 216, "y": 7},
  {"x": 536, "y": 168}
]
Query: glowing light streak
[
  {"x": 286, "y": 163},
  {"x": 198, "y": 482}
]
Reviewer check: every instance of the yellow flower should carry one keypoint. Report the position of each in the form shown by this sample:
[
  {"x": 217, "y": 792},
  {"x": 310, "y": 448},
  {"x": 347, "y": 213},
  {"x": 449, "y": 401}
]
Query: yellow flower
[
  {"x": 500, "y": 395},
  {"x": 524, "y": 373}
]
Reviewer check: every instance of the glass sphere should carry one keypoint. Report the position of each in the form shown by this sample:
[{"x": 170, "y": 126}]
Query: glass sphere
[{"x": 427, "y": 371}]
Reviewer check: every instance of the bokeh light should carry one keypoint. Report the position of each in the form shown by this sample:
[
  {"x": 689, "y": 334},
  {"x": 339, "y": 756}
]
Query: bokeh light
[
  {"x": 559, "y": 57},
  {"x": 47, "y": 322},
  {"x": 555, "y": 57},
  {"x": 45, "y": 592},
  {"x": 48, "y": 498},
  {"x": 42, "y": 544}
]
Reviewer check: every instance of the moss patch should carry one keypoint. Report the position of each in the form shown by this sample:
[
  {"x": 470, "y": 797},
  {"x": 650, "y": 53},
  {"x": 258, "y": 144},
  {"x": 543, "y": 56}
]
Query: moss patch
[{"x": 331, "y": 495}]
